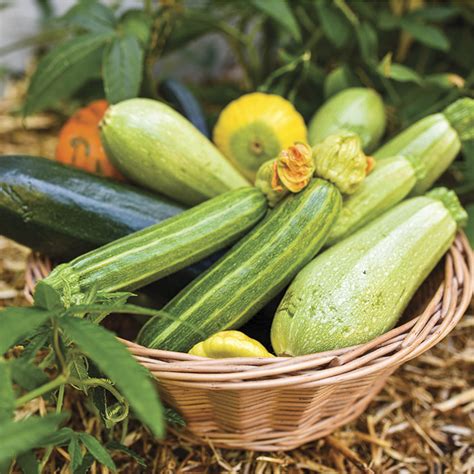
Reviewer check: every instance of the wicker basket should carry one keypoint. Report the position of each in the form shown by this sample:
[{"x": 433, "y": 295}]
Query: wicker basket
[{"x": 281, "y": 403}]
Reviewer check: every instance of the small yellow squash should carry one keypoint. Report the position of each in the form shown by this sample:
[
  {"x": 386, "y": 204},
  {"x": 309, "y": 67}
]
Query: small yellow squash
[
  {"x": 255, "y": 128},
  {"x": 229, "y": 344}
]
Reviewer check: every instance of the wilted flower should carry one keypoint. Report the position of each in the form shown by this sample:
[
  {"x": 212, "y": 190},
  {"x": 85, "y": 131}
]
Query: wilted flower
[{"x": 295, "y": 167}]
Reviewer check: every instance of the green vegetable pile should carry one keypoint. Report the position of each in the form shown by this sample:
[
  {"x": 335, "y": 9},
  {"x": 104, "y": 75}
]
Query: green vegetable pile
[{"x": 337, "y": 231}]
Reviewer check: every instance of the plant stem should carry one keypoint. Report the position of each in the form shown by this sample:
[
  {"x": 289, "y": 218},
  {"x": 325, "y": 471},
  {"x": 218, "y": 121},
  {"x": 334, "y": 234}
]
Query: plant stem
[
  {"x": 38, "y": 392},
  {"x": 57, "y": 346}
]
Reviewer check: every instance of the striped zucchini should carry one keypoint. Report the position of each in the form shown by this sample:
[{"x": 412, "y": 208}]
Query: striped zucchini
[
  {"x": 251, "y": 273},
  {"x": 159, "y": 250},
  {"x": 158, "y": 148},
  {"x": 435, "y": 139},
  {"x": 355, "y": 109},
  {"x": 359, "y": 288},
  {"x": 389, "y": 183}
]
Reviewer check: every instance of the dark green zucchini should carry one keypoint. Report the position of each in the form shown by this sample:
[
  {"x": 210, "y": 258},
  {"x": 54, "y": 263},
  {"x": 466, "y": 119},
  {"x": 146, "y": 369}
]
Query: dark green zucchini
[{"x": 64, "y": 212}]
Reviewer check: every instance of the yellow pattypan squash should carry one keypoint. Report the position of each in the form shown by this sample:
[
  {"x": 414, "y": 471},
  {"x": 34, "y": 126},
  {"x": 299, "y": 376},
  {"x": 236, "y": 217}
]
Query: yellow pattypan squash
[
  {"x": 255, "y": 128},
  {"x": 229, "y": 344}
]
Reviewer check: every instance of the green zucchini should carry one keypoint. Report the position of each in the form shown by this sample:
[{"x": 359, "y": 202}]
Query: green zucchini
[
  {"x": 357, "y": 110},
  {"x": 389, "y": 183},
  {"x": 435, "y": 139},
  {"x": 63, "y": 212},
  {"x": 182, "y": 98},
  {"x": 158, "y": 148},
  {"x": 251, "y": 273},
  {"x": 159, "y": 250},
  {"x": 359, "y": 288}
]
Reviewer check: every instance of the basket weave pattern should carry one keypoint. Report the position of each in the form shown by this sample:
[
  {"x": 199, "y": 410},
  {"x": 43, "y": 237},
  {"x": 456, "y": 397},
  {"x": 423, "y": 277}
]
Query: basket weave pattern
[{"x": 282, "y": 402}]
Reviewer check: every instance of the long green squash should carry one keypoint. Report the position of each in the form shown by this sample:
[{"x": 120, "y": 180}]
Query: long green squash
[
  {"x": 357, "y": 110},
  {"x": 389, "y": 183},
  {"x": 156, "y": 147},
  {"x": 263, "y": 262},
  {"x": 359, "y": 288},
  {"x": 435, "y": 140},
  {"x": 159, "y": 250},
  {"x": 251, "y": 273}
]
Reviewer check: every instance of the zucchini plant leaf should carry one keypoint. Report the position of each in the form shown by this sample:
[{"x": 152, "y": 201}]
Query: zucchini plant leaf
[
  {"x": 436, "y": 12},
  {"x": 93, "y": 16},
  {"x": 7, "y": 395},
  {"x": 74, "y": 451},
  {"x": 122, "y": 68},
  {"x": 18, "y": 437},
  {"x": 64, "y": 70},
  {"x": 368, "y": 42},
  {"x": 280, "y": 12},
  {"x": 114, "y": 360},
  {"x": 398, "y": 72},
  {"x": 28, "y": 463},
  {"x": 47, "y": 297},
  {"x": 426, "y": 34},
  {"x": 335, "y": 26},
  {"x": 16, "y": 323},
  {"x": 97, "y": 450}
]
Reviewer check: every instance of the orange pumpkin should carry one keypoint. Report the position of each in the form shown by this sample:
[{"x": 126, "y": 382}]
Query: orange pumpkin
[{"x": 79, "y": 141}]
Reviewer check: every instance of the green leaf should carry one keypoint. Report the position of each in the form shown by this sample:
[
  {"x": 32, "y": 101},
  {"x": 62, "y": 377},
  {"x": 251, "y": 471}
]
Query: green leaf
[
  {"x": 112, "y": 358},
  {"x": 18, "y": 437},
  {"x": 173, "y": 417},
  {"x": 334, "y": 24},
  {"x": 337, "y": 80},
  {"x": 26, "y": 374},
  {"x": 469, "y": 229},
  {"x": 7, "y": 395},
  {"x": 368, "y": 42},
  {"x": 47, "y": 297},
  {"x": 28, "y": 463},
  {"x": 137, "y": 23},
  {"x": 398, "y": 72},
  {"x": 74, "y": 451},
  {"x": 97, "y": 450},
  {"x": 426, "y": 34},
  {"x": 115, "y": 446},
  {"x": 123, "y": 66},
  {"x": 436, "y": 12},
  {"x": 64, "y": 70},
  {"x": 280, "y": 12},
  {"x": 16, "y": 323},
  {"x": 91, "y": 16}
]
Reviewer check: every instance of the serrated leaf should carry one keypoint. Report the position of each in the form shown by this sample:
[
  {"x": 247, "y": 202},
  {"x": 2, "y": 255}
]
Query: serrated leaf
[
  {"x": 426, "y": 34},
  {"x": 64, "y": 70},
  {"x": 26, "y": 374},
  {"x": 97, "y": 450},
  {"x": 18, "y": 437},
  {"x": 74, "y": 451},
  {"x": 112, "y": 358},
  {"x": 16, "y": 323},
  {"x": 122, "y": 69},
  {"x": 47, "y": 297},
  {"x": 368, "y": 42},
  {"x": 28, "y": 463},
  {"x": 59, "y": 438},
  {"x": 91, "y": 16},
  {"x": 114, "y": 445},
  {"x": 334, "y": 24},
  {"x": 7, "y": 395},
  {"x": 280, "y": 12}
]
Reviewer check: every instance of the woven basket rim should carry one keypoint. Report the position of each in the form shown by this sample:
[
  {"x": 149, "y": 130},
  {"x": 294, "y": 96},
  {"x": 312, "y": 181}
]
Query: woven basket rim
[{"x": 441, "y": 314}]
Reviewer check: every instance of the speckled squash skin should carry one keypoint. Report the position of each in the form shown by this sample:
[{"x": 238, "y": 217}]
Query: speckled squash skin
[
  {"x": 359, "y": 288},
  {"x": 254, "y": 271},
  {"x": 357, "y": 110},
  {"x": 389, "y": 183},
  {"x": 158, "y": 148},
  {"x": 433, "y": 140}
]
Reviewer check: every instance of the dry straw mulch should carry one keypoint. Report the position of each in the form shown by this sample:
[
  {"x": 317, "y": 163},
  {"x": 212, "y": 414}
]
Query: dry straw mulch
[{"x": 422, "y": 421}]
